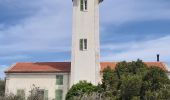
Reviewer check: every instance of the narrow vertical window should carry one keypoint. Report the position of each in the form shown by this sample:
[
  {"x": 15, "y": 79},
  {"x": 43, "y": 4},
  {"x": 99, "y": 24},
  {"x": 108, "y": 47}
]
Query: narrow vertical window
[
  {"x": 81, "y": 44},
  {"x": 81, "y": 5},
  {"x": 59, "y": 79},
  {"x": 58, "y": 94},
  {"x": 85, "y": 4},
  {"x": 45, "y": 94},
  {"x": 85, "y": 44}
]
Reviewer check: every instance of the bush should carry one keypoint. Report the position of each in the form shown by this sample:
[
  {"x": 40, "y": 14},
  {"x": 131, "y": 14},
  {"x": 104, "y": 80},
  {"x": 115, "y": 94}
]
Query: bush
[
  {"x": 2, "y": 87},
  {"x": 11, "y": 97},
  {"x": 80, "y": 89},
  {"x": 128, "y": 81},
  {"x": 34, "y": 95}
]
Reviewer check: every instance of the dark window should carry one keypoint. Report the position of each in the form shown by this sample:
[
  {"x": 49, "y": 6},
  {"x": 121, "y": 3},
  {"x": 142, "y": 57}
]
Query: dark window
[
  {"x": 81, "y": 5},
  {"x": 59, "y": 79},
  {"x": 81, "y": 44},
  {"x": 85, "y": 44},
  {"x": 58, "y": 94},
  {"x": 85, "y": 4}
]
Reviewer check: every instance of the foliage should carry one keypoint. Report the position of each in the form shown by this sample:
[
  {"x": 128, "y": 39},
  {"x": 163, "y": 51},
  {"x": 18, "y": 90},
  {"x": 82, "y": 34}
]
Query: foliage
[
  {"x": 80, "y": 89},
  {"x": 35, "y": 95},
  {"x": 11, "y": 97},
  {"x": 2, "y": 87},
  {"x": 130, "y": 86},
  {"x": 128, "y": 81}
]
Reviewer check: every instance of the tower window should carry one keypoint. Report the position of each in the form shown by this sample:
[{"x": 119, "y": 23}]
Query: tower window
[
  {"x": 83, "y": 5},
  {"x": 83, "y": 44}
]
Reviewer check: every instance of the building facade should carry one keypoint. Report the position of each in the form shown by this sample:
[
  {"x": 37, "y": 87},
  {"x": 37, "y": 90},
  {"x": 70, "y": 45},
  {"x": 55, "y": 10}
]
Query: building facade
[{"x": 52, "y": 78}]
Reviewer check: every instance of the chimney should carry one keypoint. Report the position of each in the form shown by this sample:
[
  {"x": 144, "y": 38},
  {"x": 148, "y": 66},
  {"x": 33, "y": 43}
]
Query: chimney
[{"x": 157, "y": 57}]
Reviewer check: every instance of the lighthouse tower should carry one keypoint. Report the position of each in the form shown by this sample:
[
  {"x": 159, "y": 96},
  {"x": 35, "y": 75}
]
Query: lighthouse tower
[{"x": 85, "y": 64}]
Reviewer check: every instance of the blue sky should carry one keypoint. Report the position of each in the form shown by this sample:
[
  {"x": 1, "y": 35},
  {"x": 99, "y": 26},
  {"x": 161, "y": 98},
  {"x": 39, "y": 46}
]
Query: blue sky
[{"x": 40, "y": 30}]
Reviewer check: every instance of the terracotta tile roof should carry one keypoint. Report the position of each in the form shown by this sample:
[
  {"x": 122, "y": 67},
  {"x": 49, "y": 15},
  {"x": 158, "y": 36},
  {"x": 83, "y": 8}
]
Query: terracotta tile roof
[
  {"x": 63, "y": 67},
  {"x": 149, "y": 64},
  {"x": 104, "y": 65},
  {"x": 158, "y": 64},
  {"x": 40, "y": 67}
]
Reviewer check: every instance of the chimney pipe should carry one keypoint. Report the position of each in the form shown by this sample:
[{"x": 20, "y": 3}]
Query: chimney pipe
[{"x": 157, "y": 57}]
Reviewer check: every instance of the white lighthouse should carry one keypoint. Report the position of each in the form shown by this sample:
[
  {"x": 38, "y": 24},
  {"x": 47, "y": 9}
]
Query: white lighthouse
[{"x": 85, "y": 64}]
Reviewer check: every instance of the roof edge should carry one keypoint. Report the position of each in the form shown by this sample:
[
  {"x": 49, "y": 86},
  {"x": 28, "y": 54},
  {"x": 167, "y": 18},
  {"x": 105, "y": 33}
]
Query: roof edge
[
  {"x": 38, "y": 72},
  {"x": 13, "y": 65}
]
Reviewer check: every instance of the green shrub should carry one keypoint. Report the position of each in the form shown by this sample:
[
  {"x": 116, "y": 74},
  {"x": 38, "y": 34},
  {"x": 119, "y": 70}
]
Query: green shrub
[
  {"x": 79, "y": 89},
  {"x": 128, "y": 81}
]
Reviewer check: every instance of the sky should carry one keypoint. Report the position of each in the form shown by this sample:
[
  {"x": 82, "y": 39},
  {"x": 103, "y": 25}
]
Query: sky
[{"x": 40, "y": 31}]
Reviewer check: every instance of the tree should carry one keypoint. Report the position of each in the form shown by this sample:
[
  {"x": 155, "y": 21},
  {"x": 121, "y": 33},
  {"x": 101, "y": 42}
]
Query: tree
[
  {"x": 128, "y": 81},
  {"x": 35, "y": 94},
  {"x": 154, "y": 81},
  {"x": 2, "y": 87},
  {"x": 79, "y": 89},
  {"x": 130, "y": 87},
  {"x": 109, "y": 83}
]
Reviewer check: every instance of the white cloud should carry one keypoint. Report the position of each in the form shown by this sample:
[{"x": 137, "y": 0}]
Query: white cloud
[
  {"x": 2, "y": 69},
  {"x": 14, "y": 57},
  {"x": 121, "y": 11},
  {"x": 47, "y": 30},
  {"x": 50, "y": 28},
  {"x": 145, "y": 50}
]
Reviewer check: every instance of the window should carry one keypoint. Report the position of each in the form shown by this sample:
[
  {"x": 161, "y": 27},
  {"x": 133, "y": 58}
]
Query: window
[
  {"x": 83, "y": 44},
  {"x": 45, "y": 94},
  {"x": 59, "y": 79},
  {"x": 58, "y": 94},
  {"x": 21, "y": 92},
  {"x": 83, "y": 5},
  {"x": 42, "y": 94}
]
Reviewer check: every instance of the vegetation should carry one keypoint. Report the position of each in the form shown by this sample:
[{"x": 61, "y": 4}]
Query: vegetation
[
  {"x": 2, "y": 87},
  {"x": 128, "y": 81},
  {"x": 80, "y": 89},
  {"x": 33, "y": 95}
]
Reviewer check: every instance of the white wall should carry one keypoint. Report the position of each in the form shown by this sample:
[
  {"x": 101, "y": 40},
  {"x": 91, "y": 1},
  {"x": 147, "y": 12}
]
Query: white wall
[
  {"x": 43, "y": 80},
  {"x": 85, "y": 64}
]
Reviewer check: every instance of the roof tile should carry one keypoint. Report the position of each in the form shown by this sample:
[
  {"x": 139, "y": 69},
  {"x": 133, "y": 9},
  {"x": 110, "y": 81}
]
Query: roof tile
[{"x": 62, "y": 67}]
